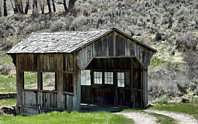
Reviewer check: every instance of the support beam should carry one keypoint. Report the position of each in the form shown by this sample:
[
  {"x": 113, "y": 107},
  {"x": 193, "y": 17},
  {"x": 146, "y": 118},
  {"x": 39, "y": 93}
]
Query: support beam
[
  {"x": 77, "y": 89},
  {"x": 60, "y": 95},
  {"x": 39, "y": 81},
  {"x": 59, "y": 75},
  {"x": 92, "y": 83},
  {"x": 145, "y": 87},
  {"x": 116, "y": 88},
  {"x": 19, "y": 87}
]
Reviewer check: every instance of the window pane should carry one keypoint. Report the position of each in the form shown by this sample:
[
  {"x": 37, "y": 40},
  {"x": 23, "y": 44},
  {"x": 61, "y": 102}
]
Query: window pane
[
  {"x": 121, "y": 79},
  {"x": 30, "y": 80},
  {"x": 98, "y": 77},
  {"x": 48, "y": 80},
  {"x": 108, "y": 77},
  {"x": 85, "y": 77}
]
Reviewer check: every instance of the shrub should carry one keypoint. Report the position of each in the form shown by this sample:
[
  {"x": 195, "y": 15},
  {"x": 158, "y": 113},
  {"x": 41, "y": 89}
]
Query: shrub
[
  {"x": 79, "y": 21},
  {"x": 186, "y": 41},
  {"x": 155, "y": 61},
  {"x": 162, "y": 100}
]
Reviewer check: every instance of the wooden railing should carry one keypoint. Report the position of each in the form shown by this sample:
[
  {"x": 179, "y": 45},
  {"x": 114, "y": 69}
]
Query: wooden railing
[
  {"x": 40, "y": 99},
  {"x": 45, "y": 100}
]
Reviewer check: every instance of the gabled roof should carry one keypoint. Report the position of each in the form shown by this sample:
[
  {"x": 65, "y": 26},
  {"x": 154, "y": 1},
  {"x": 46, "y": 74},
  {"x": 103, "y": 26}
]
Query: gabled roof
[{"x": 61, "y": 42}]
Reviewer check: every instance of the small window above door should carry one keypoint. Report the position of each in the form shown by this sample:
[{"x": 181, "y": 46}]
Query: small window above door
[
  {"x": 108, "y": 77},
  {"x": 120, "y": 79},
  {"x": 85, "y": 77},
  {"x": 97, "y": 77}
]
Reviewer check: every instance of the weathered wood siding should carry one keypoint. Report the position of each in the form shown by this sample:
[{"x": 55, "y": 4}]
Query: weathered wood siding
[
  {"x": 63, "y": 65},
  {"x": 113, "y": 45},
  {"x": 44, "y": 101},
  {"x": 116, "y": 51},
  {"x": 112, "y": 51}
]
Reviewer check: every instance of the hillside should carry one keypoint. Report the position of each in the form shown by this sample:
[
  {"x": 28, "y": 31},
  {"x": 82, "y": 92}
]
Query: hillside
[{"x": 169, "y": 26}]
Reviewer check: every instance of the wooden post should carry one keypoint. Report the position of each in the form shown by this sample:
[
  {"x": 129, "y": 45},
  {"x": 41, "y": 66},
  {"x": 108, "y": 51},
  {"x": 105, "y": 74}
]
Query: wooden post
[
  {"x": 91, "y": 87},
  {"x": 77, "y": 89},
  {"x": 60, "y": 95},
  {"x": 115, "y": 83},
  {"x": 132, "y": 84},
  {"x": 39, "y": 81},
  {"x": 39, "y": 89},
  {"x": 19, "y": 87},
  {"x": 145, "y": 87}
]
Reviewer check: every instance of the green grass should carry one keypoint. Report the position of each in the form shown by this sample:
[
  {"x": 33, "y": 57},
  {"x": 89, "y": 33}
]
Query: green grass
[
  {"x": 7, "y": 102},
  {"x": 62, "y": 117},
  {"x": 188, "y": 108},
  {"x": 67, "y": 118},
  {"x": 162, "y": 119},
  {"x": 8, "y": 82},
  {"x": 155, "y": 61}
]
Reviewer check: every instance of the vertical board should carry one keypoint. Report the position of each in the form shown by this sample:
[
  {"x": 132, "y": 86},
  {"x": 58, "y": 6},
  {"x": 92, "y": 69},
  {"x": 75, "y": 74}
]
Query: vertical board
[
  {"x": 69, "y": 63},
  {"x": 120, "y": 45},
  {"x": 110, "y": 44}
]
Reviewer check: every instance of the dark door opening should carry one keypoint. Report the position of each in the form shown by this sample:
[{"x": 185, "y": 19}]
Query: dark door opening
[{"x": 108, "y": 88}]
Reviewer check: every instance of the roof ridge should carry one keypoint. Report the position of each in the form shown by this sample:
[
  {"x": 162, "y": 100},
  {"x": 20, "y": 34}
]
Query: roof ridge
[{"x": 62, "y": 32}]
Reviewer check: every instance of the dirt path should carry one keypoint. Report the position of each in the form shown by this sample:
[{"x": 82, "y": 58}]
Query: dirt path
[
  {"x": 179, "y": 117},
  {"x": 139, "y": 117}
]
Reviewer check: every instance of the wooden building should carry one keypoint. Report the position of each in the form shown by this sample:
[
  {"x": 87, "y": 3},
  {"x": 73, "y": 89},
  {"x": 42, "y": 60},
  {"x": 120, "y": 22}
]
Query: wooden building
[{"x": 116, "y": 68}]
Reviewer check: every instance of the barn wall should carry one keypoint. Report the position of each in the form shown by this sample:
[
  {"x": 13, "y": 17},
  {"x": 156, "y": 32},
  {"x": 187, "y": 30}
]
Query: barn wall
[
  {"x": 39, "y": 100},
  {"x": 116, "y": 45},
  {"x": 113, "y": 45}
]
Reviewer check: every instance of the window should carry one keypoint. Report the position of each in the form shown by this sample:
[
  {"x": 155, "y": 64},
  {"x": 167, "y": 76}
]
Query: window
[
  {"x": 85, "y": 77},
  {"x": 30, "y": 80},
  {"x": 98, "y": 77},
  {"x": 120, "y": 77},
  {"x": 108, "y": 77},
  {"x": 48, "y": 80}
]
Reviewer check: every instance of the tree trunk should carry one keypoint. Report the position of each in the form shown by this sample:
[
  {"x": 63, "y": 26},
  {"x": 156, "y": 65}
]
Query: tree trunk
[
  {"x": 65, "y": 6},
  {"x": 14, "y": 9},
  {"x": 21, "y": 6},
  {"x": 54, "y": 7},
  {"x": 18, "y": 6},
  {"x": 49, "y": 6},
  {"x": 71, "y": 4},
  {"x": 42, "y": 5},
  {"x": 0, "y": 8},
  {"x": 35, "y": 8},
  {"x": 5, "y": 8},
  {"x": 27, "y": 6}
]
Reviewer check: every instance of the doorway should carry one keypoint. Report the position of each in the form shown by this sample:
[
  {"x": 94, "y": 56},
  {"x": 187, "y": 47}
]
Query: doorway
[{"x": 107, "y": 88}]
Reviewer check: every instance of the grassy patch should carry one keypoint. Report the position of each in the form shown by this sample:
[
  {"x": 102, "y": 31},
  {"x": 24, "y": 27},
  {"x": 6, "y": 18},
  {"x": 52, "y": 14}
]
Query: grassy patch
[
  {"x": 7, "y": 102},
  {"x": 67, "y": 118},
  {"x": 162, "y": 119},
  {"x": 155, "y": 61},
  {"x": 7, "y": 83},
  {"x": 188, "y": 108}
]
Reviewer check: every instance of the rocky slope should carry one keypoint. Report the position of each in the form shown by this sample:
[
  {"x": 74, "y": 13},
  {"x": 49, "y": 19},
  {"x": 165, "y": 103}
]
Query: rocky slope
[{"x": 170, "y": 26}]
